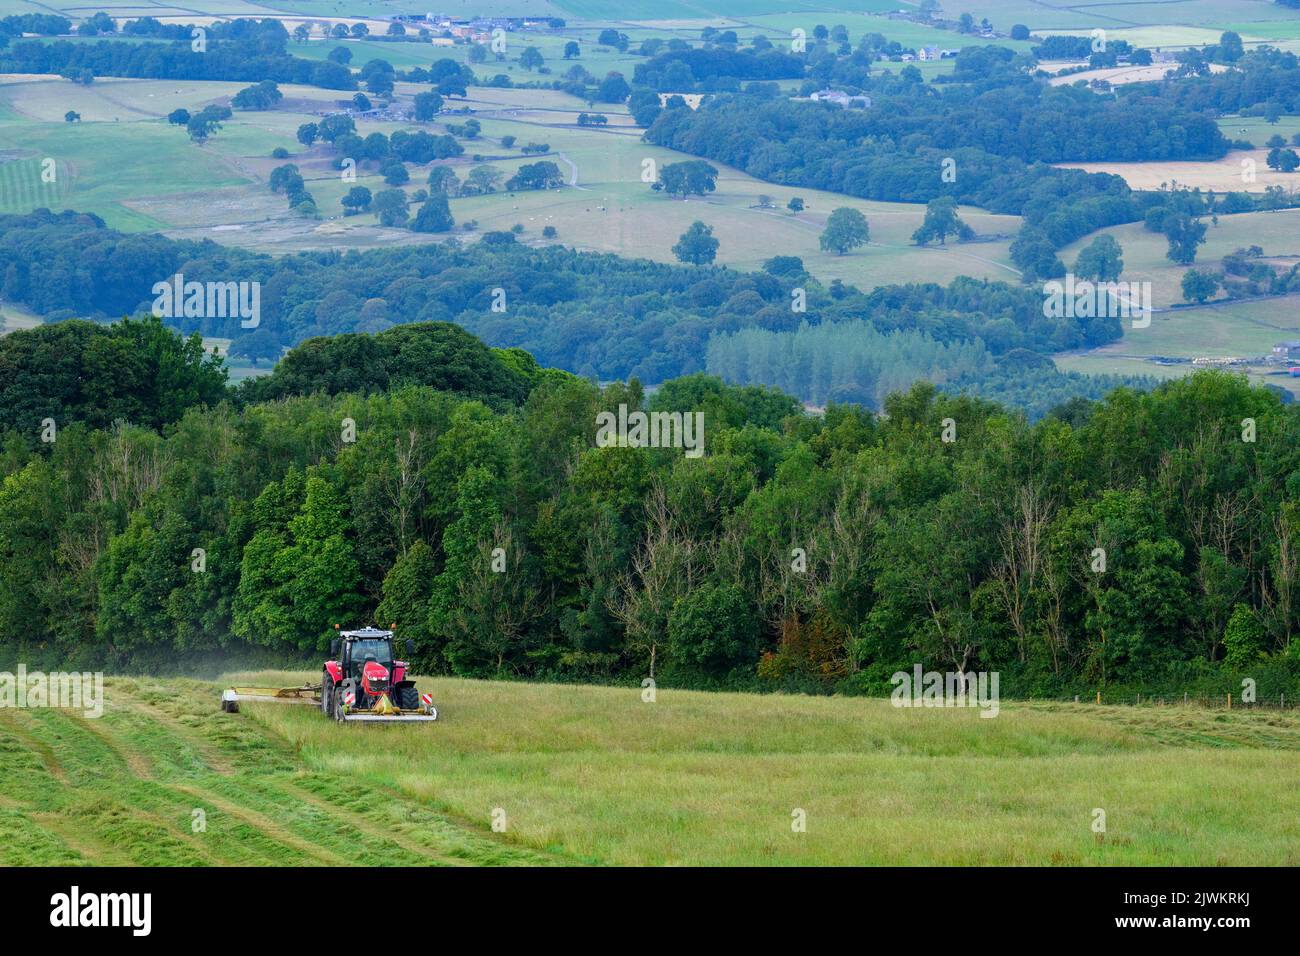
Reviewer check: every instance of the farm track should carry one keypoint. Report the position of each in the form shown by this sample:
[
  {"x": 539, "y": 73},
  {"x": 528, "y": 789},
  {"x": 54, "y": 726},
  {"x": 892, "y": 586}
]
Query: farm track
[{"x": 163, "y": 778}]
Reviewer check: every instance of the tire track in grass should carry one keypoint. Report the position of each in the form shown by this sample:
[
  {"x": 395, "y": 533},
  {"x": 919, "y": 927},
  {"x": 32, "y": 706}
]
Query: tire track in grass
[
  {"x": 264, "y": 833},
  {"x": 105, "y": 803},
  {"x": 358, "y": 823},
  {"x": 121, "y": 789},
  {"x": 24, "y": 841},
  {"x": 11, "y": 728},
  {"x": 189, "y": 764},
  {"x": 33, "y": 781}
]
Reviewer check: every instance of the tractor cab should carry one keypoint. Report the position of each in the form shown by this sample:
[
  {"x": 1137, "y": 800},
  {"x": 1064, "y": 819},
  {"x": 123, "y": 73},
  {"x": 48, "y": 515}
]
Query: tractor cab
[{"x": 363, "y": 647}]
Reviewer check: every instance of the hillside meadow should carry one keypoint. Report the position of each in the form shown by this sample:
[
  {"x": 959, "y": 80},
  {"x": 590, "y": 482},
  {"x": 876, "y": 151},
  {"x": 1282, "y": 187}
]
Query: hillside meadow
[
  {"x": 125, "y": 163},
  {"x": 597, "y": 775}
]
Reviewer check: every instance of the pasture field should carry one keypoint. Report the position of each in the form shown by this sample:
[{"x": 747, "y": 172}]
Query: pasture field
[
  {"x": 1068, "y": 15},
  {"x": 1219, "y": 329},
  {"x": 595, "y": 775},
  {"x": 1258, "y": 130},
  {"x": 610, "y": 209},
  {"x": 218, "y": 190},
  {"x": 1145, "y": 252},
  {"x": 1219, "y": 175}
]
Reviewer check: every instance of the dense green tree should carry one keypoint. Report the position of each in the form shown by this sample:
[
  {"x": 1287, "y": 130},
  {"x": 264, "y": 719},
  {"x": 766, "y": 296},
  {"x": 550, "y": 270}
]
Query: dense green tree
[
  {"x": 1101, "y": 260},
  {"x": 696, "y": 245},
  {"x": 846, "y": 229},
  {"x": 434, "y": 215},
  {"x": 941, "y": 221}
]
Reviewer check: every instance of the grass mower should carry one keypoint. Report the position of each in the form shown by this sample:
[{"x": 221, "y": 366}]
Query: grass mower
[{"x": 363, "y": 682}]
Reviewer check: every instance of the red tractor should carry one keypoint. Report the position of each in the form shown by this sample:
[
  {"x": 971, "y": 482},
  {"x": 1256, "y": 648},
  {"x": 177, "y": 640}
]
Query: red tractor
[{"x": 363, "y": 682}]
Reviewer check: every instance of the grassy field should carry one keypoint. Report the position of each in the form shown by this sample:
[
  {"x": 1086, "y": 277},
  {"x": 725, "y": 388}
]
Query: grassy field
[
  {"x": 595, "y": 775},
  {"x": 1217, "y": 329},
  {"x": 124, "y": 162},
  {"x": 123, "y": 790},
  {"x": 1240, "y": 329},
  {"x": 1145, "y": 252},
  {"x": 1068, "y": 15}
]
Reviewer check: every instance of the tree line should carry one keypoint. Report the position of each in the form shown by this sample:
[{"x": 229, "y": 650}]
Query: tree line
[
  {"x": 244, "y": 51},
  {"x": 596, "y": 315},
  {"x": 1146, "y": 540}
]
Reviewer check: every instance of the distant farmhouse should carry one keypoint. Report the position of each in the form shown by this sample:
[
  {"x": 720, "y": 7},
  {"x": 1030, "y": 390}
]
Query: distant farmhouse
[
  {"x": 1286, "y": 351},
  {"x": 691, "y": 99},
  {"x": 842, "y": 99}
]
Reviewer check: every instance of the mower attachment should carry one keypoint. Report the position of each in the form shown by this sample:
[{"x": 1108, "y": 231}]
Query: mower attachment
[
  {"x": 382, "y": 712},
  {"x": 306, "y": 694}
]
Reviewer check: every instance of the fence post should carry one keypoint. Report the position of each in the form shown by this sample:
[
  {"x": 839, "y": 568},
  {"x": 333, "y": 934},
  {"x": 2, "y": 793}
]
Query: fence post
[{"x": 1099, "y": 697}]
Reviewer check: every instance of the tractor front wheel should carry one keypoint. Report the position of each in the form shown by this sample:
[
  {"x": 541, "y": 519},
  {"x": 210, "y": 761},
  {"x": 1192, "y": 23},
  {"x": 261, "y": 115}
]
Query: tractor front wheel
[
  {"x": 327, "y": 695},
  {"x": 408, "y": 698}
]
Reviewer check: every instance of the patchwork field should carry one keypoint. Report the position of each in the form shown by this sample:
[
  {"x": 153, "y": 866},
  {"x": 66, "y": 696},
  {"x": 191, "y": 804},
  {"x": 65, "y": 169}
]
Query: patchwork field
[
  {"x": 218, "y": 190},
  {"x": 1120, "y": 75},
  {"x": 1066, "y": 15},
  {"x": 596, "y": 775}
]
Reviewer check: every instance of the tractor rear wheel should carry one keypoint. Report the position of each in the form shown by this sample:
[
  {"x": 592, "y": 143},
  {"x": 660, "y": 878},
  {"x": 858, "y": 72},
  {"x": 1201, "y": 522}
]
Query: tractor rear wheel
[{"x": 408, "y": 698}]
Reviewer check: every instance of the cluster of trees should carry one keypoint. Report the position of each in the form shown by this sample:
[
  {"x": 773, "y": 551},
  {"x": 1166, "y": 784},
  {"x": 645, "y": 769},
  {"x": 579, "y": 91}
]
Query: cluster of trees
[
  {"x": 1032, "y": 383},
  {"x": 288, "y": 180},
  {"x": 1264, "y": 81},
  {"x": 78, "y": 371},
  {"x": 845, "y": 362},
  {"x": 985, "y": 144},
  {"x": 1111, "y": 543},
  {"x": 682, "y": 71},
  {"x": 241, "y": 51},
  {"x": 403, "y": 146},
  {"x": 691, "y": 178},
  {"x": 540, "y": 175},
  {"x": 1243, "y": 275},
  {"x": 41, "y": 24},
  {"x": 853, "y": 362},
  {"x": 593, "y": 314},
  {"x": 260, "y": 96}
]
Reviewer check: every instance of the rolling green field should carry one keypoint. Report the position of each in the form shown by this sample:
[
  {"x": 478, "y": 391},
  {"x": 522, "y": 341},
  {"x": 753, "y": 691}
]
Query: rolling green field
[
  {"x": 218, "y": 190},
  {"x": 1219, "y": 328},
  {"x": 1145, "y": 259},
  {"x": 596, "y": 775}
]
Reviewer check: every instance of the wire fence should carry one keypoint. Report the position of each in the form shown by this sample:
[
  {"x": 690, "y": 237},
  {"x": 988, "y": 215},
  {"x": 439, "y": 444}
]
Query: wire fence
[{"x": 1204, "y": 701}]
